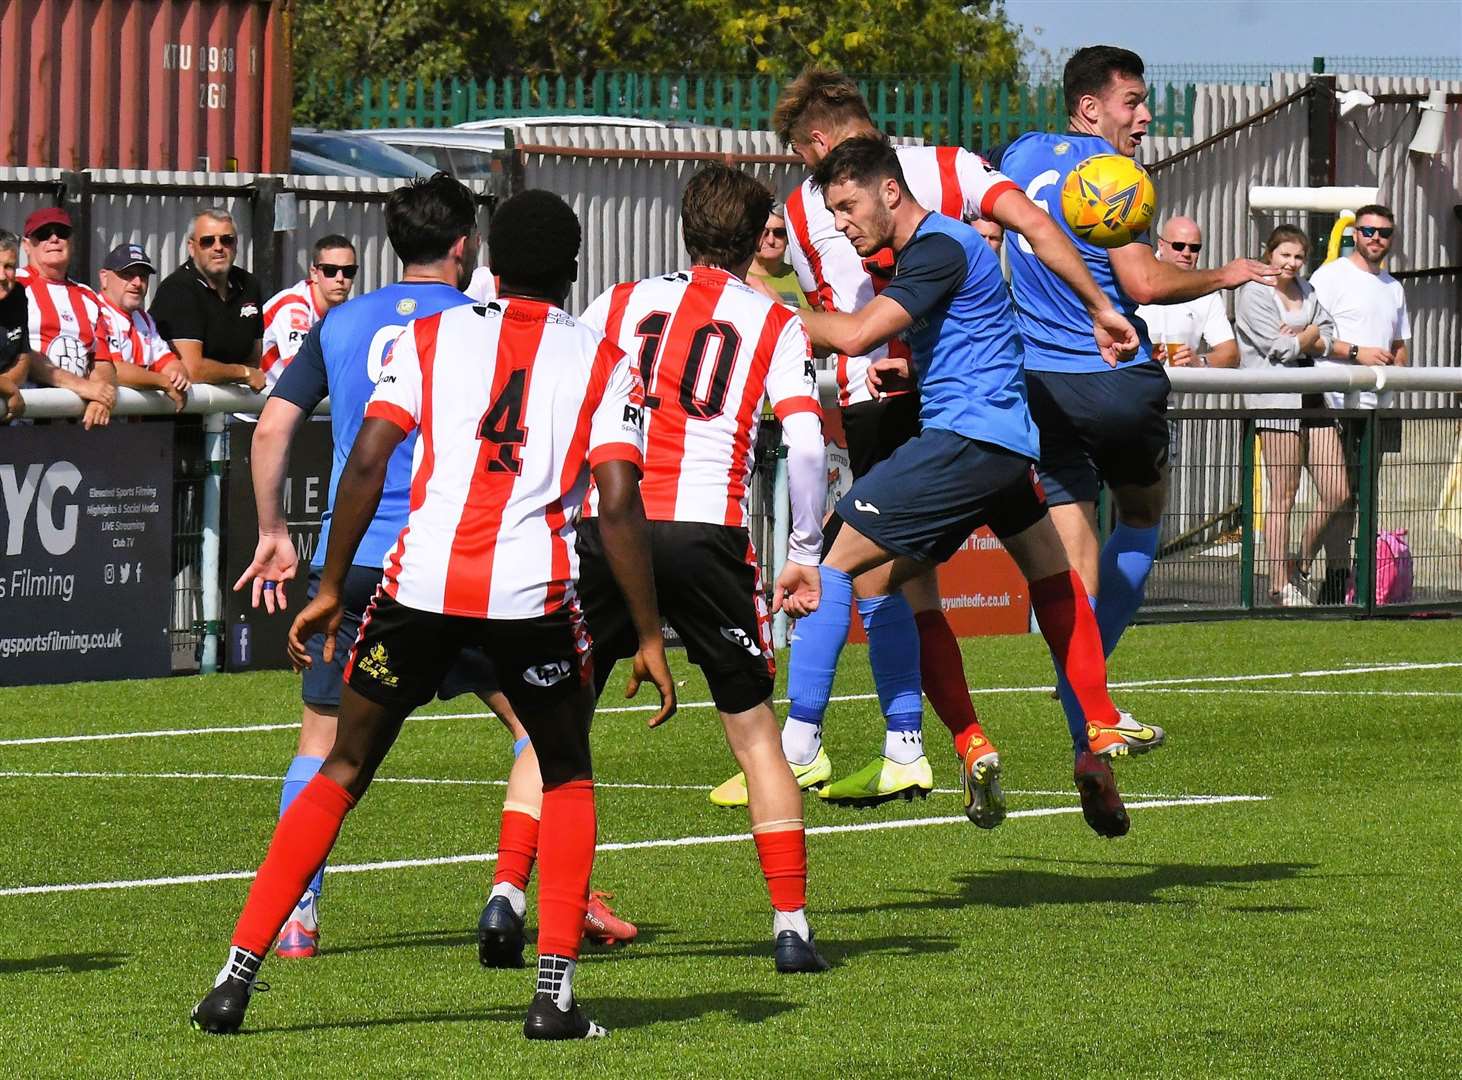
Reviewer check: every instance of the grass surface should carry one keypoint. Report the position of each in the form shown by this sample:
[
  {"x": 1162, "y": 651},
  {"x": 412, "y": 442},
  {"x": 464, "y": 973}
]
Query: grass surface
[{"x": 1312, "y": 933}]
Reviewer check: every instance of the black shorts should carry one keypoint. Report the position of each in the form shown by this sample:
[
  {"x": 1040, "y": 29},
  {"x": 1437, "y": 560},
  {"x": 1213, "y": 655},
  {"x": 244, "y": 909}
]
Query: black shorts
[
  {"x": 320, "y": 684},
  {"x": 403, "y": 654},
  {"x": 1099, "y": 427},
  {"x": 939, "y": 487},
  {"x": 709, "y": 588},
  {"x": 875, "y": 429}
]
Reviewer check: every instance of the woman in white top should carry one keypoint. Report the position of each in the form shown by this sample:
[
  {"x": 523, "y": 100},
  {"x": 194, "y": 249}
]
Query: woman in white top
[{"x": 1284, "y": 324}]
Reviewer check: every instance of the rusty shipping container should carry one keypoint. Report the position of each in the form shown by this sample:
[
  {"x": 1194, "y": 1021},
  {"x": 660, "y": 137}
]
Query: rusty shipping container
[{"x": 145, "y": 84}]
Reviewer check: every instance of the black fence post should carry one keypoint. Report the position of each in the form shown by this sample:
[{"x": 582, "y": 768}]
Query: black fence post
[
  {"x": 266, "y": 241},
  {"x": 75, "y": 199},
  {"x": 1321, "y": 115}
]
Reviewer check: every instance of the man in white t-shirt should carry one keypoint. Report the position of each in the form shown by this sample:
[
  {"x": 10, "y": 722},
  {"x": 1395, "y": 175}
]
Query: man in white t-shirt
[
  {"x": 1193, "y": 333},
  {"x": 1368, "y": 305}
]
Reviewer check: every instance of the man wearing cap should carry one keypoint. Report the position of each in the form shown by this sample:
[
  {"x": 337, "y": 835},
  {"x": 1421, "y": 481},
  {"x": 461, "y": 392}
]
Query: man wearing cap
[
  {"x": 144, "y": 359},
  {"x": 69, "y": 331},
  {"x": 210, "y": 309},
  {"x": 289, "y": 314}
]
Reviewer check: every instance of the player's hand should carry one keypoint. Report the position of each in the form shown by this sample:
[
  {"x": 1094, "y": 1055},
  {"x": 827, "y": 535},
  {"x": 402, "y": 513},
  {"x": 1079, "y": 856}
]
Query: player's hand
[
  {"x": 888, "y": 375},
  {"x": 275, "y": 562},
  {"x": 1374, "y": 357},
  {"x": 96, "y": 415},
  {"x": 798, "y": 590},
  {"x": 1239, "y": 271},
  {"x": 320, "y": 616},
  {"x": 1181, "y": 356},
  {"x": 254, "y": 379},
  {"x": 650, "y": 664},
  {"x": 1116, "y": 338}
]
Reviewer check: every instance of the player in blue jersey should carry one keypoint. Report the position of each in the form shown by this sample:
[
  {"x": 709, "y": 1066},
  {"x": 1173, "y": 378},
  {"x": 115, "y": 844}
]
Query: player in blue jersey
[
  {"x": 1099, "y": 424},
  {"x": 972, "y": 462}
]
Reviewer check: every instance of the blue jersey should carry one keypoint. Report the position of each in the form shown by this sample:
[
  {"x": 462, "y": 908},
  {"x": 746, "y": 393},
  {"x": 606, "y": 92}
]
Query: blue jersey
[
  {"x": 341, "y": 357},
  {"x": 1053, "y": 322},
  {"x": 966, "y": 352}
]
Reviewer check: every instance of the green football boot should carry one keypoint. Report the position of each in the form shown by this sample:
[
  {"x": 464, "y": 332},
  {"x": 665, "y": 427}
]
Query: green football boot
[
  {"x": 812, "y": 775},
  {"x": 880, "y": 781}
]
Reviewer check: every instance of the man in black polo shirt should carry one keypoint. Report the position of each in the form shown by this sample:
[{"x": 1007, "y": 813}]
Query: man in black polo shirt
[
  {"x": 15, "y": 343},
  {"x": 212, "y": 310}
]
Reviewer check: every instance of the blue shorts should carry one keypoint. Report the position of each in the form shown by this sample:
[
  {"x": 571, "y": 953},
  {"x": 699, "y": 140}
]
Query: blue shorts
[
  {"x": 933, "y": 491},
  {"x": 320, "y": 686},
  {"x": 1099, "y": 427}
]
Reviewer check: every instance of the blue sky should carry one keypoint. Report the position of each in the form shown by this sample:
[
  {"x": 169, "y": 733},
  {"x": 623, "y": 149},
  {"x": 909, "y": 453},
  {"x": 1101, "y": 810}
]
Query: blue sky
[{"x": 1246, "y": 31}]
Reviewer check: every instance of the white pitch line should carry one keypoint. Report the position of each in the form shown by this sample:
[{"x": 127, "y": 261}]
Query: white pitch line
[
  {"x": 1299, "y": 693},
  {"x": 635, "y": 845},
  {"x": 1135, "y": 684}
]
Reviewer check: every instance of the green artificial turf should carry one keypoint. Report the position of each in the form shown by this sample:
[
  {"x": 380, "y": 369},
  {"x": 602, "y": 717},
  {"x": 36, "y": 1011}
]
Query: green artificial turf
[{"x": 1313, "y": 933}]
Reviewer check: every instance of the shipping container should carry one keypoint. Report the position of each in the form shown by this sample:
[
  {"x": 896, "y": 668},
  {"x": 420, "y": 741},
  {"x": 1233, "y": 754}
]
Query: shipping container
[{"x": 145, "y": 84}]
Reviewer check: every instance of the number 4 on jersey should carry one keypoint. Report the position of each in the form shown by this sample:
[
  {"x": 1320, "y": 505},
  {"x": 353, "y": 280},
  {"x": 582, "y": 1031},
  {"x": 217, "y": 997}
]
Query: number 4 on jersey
[{"x": 502, "y": 425}]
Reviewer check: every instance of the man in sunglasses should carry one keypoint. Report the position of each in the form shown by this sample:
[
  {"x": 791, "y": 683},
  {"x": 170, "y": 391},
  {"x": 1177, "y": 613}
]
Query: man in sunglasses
[
  {"x": 69, "y": 329},
  {"x": 1180, "y": 330},
  {"x": 212, "y": 310},
  {"x": 288, "y": 315}
]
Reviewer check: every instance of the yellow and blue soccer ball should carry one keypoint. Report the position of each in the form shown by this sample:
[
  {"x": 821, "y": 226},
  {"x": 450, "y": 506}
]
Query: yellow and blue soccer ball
[{"x": 1108, "y": 200}]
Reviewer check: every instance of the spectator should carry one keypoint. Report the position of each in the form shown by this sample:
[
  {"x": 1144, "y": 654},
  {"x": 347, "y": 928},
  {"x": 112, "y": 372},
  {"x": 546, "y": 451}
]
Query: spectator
[
  {"x": 14, "y": 331},
  {"x": 288, "y": 315},
  {"x": 1284, "y": 323},
  {"x": 770, "y": 272},
  {"x": 144, "y": 359},
  {"x": 210, "y": 309},
  {"x": 1179, "y": 331},
  {"x": 992, "y": 231},
  {"x": 69, "y": 330}
]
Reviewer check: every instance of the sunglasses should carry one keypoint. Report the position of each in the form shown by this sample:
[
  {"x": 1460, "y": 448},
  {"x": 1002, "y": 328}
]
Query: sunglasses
[
  {"x": 1179, "y": 245},
  {"x": 333, "y": 270},
  {"x": 780, "y": 234},
  {"x": 1383, "y": 231},
  {"x": 46, "y": 232},
  {"x": 226, "y": 240}
]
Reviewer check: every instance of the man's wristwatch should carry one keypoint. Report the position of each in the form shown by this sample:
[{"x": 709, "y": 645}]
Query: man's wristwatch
[{"x": 1354, "y": 354}]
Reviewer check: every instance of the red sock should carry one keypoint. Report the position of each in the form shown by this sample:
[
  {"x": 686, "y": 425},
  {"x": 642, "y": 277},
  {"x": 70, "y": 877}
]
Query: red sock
[
  {"x": 942, "y": 670},
  {"x": 517, "y": 846},
  {"x": 783, "y": 857},
  {"x": 302, "y": 841},
  {"x": 1069, "y": 626},
  {"x": 565, "y": 861}
]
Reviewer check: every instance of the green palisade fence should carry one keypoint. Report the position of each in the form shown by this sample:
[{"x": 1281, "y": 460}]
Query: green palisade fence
[{"x": 940, "y": 109}]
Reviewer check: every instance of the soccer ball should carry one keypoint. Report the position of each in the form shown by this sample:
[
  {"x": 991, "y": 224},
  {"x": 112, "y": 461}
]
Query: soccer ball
[{"x": 1108, "y": 199}]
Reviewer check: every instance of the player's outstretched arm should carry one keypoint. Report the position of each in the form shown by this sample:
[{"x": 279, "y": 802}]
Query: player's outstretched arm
[
  {"x": 860, "y": 332},
  {"x": 1150, "y": 281},
  {"x": 355, "y": 505},
  {"x": 275, "y": 558},
  {"x": 626, "y": 546}
]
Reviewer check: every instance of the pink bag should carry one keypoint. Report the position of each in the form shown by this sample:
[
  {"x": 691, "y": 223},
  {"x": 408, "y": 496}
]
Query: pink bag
[{"x": 1393, "y": 569}]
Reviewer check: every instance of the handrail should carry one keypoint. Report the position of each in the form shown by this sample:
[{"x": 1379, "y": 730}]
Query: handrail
[{"x": 50, "y": 403}]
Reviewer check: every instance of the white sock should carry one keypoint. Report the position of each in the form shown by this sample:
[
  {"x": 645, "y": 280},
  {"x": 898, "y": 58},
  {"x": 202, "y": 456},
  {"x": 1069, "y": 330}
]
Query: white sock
[
  {"x": 791, "y": 920},
  {"x": 801, "y": 741},
  {"x": 556, "y": 977},
  {"x": 905, "y": 747},
  {"x": 516, "y": 900}
]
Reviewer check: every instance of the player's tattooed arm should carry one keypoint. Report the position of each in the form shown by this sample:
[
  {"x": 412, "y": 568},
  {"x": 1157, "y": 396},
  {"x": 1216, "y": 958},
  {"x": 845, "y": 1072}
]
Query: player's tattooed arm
[
  {"x": 626, "y": 541},
  {"x": 859, "y": 333},
  {"x": 356, "y": 500}
]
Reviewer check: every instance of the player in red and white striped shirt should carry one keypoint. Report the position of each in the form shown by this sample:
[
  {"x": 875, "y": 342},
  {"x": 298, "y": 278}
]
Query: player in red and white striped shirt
[
  {"x": 516, "y": 404},
  {"x": 816, "y": 112},
  {"x": 69, "y": 331},
  {"x": 143, "y": 358},
  {"x": 289, "y": 313},
  {"x": 711, "y": 351}
]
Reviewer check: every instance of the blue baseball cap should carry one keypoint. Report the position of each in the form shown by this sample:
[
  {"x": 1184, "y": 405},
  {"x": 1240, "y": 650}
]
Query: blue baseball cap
[{"x": 124, "y": 256}]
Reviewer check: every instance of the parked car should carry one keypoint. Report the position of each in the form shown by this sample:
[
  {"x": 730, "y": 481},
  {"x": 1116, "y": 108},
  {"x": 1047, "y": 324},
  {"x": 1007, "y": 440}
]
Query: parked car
[
  {"x": 346, "y": 148},
  {"x": 303, "y": 163}
]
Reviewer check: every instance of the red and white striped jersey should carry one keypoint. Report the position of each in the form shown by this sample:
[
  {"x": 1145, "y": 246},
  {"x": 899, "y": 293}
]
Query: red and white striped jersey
[
  {"x": 516, "y": 402},
  {"x": 711, "y": 349},
  {"x": 948, "y": 179},
  {"x": 67, "y": 322},
  {"x": 134, "y": 338},
  {"x": 288, "y": 316}
]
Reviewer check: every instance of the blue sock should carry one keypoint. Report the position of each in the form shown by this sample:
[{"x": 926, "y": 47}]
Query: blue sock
[
  {"x": 816, "y": 643},
  {"x": 893, "y": 654},
  {"x": 301, "y": 771},
  {"x": 1127, "y": 559},
  {"x": 520, "y": 746},
  {"x": 1075, "y": 718}
]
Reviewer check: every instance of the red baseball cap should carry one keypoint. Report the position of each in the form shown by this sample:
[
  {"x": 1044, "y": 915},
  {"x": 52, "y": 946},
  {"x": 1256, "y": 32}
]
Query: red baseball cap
[{"x": 51, "y": 215}]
